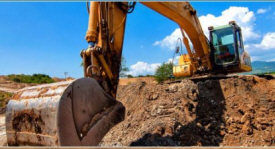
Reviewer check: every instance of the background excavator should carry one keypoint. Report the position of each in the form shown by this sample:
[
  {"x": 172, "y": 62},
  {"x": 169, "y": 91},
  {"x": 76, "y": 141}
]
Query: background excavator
[{"x": 81, "y": 112}]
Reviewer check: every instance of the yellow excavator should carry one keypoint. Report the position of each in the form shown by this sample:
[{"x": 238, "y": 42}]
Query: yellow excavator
[{"x": 82, "y": 111}]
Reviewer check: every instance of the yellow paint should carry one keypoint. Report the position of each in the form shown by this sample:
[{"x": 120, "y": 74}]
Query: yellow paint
[
  {"x": 91, "y": 34},
  {"x": 245, "y": 68},
  {"x": 184, "y": 67}
]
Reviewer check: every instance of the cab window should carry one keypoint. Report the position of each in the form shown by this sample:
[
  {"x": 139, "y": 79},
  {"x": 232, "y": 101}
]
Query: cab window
[
  {"x": 239, "y": 41},
  {"x": 223, "y": 42}
]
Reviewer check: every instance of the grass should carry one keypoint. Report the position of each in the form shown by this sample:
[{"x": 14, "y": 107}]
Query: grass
[
  {"x": 35, "y": 78},
  {"x": 4, "y": 98},
  {"x": 264, "y": 73}
]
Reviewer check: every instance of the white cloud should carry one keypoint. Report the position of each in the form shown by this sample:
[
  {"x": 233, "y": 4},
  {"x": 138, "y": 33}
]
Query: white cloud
[
  {"x": 271, "y": 60},
  {"x": 176, "y": 59},
  {"x": 268, "y": 42},
  {"x": 241, "y": 15},
  {"x": 170, "y": 41},
  {"x": 255, "y": 58},
  {"x": 259, "y": 11},
  {"x": 264, "y": 57},
  {"x": 143, "y": 68},
  {"x": 266, "y": 45},
  {"x": 263, "y": 51}
]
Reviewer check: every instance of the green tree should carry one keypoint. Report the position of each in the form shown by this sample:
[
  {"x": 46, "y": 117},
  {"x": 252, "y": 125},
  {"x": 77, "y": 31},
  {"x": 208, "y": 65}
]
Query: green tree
[
  {"x": 140, "y": 76},
  {"x": 123, "y": 68},
  {"x": 129, "y": 76},
  {"x": 164, "y": 72},
  {"x": 148, "y": 75}
]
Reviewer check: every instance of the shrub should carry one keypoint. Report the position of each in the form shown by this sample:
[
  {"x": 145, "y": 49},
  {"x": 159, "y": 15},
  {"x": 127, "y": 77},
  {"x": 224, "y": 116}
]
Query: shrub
[
  {"x": 35, "y": 78},
  {"x": 4, "y": 98},
  {"x": 164, "y": 72},
  {"x": 129, "y": 76}
]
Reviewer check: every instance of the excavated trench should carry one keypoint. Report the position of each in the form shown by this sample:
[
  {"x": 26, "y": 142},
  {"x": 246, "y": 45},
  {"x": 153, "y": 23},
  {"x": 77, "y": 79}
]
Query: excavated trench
[{"x": 223, "y": 112}]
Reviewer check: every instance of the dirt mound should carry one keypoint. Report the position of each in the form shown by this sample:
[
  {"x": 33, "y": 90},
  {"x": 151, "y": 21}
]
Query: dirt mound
[
  {"x": 127, "y": 81},
  {"x": 227, "y": 112},
  {"x": 6, "y": 84},
  {"x": 56, "y": 79}
]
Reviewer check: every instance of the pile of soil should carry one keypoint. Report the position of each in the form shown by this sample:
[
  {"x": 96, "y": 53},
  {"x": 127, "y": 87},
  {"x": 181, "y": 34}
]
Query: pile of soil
[
  {"x": 127, "y": 81},
  {"x": 6, "y": 83},
  {"x": 227, "y": 112}
]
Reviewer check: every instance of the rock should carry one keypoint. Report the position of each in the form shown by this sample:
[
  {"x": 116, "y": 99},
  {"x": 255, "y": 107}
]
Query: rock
[
  {"x": 246, "y": 129},
  {"x": 142, "y": 84},
  {"x": 245, "y": 118},
  {"x": 173, "y": 88},
  {"x": 128, "y": 125},
  {"x": 161, "y": 107},
  {"x": 222, "y": 132},
  {"x": 199, "y": 125},
  {"x": 258, "y": 79},
  {"x": 159, "y": 111},
  {"x": 155, "y": 96}
]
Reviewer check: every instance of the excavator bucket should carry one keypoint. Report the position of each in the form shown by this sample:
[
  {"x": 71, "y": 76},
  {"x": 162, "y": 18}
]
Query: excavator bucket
[{"x": 71, "y": 113}]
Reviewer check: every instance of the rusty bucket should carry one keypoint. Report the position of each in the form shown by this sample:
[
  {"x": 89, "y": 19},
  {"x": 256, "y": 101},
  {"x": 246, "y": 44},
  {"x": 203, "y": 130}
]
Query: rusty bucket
[{"x": 71, "y": 113}]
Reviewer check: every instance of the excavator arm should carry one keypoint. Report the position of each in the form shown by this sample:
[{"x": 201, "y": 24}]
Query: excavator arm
[
  {"x": 105, "y": 36},
  {"x": 106, "y": 31}
]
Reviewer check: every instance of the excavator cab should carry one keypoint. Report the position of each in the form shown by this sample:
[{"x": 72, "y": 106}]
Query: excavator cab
[
  {"x": 227, "y": 54},
  {"x": 227, "y": 49}
]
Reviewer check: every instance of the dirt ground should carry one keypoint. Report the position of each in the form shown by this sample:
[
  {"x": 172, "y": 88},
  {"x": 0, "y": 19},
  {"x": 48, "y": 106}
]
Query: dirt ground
[
  {"x": 10, "y": 86},
  {"x": 127, "y": 81},
  {"x": 227, "y": 112},
  {"x": 237, "y": 111},
  {"x": 3, "y": 139}
]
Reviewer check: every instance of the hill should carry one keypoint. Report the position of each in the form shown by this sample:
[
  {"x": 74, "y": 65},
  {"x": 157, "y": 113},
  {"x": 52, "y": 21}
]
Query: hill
[
  {"x": 259, "y": 67},
  {"x": 35, "y": 78},
  {"x": 11, "y": 83}
]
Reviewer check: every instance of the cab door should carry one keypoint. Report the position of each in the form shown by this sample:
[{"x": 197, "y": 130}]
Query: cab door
[{"x": 244, "y": 58}]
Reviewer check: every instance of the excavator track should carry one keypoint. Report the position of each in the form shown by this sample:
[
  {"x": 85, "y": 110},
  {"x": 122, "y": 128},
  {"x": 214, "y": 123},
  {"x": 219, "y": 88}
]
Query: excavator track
[
  {"x": 71, "y": 113},
  {"x": 204, "y": 78},
  {"x": 212, "y": 77},
  {"x": 220, "y": 76}
]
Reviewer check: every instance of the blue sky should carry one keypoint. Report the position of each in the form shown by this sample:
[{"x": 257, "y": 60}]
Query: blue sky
[{"x": 47, "y": 37}]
